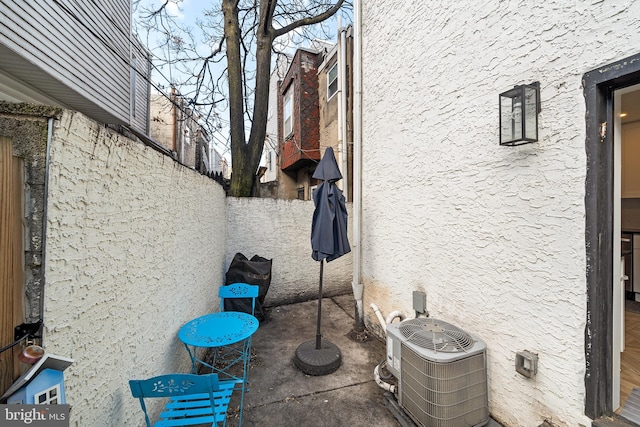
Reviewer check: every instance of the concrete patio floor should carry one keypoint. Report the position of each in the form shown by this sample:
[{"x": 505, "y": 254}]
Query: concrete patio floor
[{"x": 281, "y": 395}]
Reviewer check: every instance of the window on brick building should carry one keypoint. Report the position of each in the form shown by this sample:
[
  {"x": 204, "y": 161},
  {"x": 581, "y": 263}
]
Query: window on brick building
[
  {"x": 288, "y": 111},
  {"x": 332, "y": 81}
]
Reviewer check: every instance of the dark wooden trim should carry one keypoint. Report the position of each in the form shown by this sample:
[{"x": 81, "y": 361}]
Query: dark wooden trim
[{"x": 599, "y": 85}]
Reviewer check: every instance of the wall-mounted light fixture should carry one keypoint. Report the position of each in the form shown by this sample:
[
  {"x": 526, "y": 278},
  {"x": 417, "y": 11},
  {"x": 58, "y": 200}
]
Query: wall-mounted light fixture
[{"x": 519, "y": 108}]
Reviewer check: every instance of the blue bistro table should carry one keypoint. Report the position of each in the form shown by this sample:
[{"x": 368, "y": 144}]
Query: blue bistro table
[{"x": 228, "y": 333}]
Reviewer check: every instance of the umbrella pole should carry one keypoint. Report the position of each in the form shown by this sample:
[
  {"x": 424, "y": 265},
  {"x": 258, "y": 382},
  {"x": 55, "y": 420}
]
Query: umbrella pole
[
  {"x": 321, "y": 357},
  {"x": 318, "y": 334}
]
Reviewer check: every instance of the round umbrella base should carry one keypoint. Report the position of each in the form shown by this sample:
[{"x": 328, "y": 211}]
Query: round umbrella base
[{"x": 322, "y": 361}]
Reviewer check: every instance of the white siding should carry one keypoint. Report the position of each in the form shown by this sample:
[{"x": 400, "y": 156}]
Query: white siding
[
  {"x": 83, "y": 45},
  {"x": 494, "y": 235},
  {"x": 141, "y": 92}
]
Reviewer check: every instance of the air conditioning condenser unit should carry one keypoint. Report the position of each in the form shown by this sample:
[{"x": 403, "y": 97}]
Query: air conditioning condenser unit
[{"x": 441, "y": 372}]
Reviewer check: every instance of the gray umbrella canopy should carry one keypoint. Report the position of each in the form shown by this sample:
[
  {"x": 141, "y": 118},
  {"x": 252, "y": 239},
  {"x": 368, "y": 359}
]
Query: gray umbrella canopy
[
  {"x": 329, "y": 227},
  {"x": 328, "y": 242}
]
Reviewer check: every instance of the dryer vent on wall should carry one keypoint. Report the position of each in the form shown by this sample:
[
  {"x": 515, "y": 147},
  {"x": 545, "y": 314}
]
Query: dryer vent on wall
[{"x": 441, "y": 372}]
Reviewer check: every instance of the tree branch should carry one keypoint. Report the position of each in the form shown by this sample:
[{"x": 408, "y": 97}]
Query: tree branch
[
  {"x": 152, "y": 13},
  {"x": 309, "y": 20},
  {"x": 270, "y": 11}
]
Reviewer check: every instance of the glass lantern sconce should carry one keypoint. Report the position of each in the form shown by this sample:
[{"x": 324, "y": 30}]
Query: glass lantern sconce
[{"x": 519, "y": 108}]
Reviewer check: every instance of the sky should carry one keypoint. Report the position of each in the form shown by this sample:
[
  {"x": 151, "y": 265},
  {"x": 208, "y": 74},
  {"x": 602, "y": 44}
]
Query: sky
[{"x": 187, "y": 13}]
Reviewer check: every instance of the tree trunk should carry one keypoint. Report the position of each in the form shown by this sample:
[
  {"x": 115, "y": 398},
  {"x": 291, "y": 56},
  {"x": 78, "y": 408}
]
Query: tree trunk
[
  {"x": 241, "y": 181},
  {"x": 264, "y": 38},
  {"x": 245, "y": 154}
]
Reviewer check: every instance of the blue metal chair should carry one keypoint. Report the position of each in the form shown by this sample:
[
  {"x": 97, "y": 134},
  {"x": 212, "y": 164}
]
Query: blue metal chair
[
  {"x": 241, "y": 291},
  {"x": 242, "y": 351},
  {"x": 193, "y": 399}
]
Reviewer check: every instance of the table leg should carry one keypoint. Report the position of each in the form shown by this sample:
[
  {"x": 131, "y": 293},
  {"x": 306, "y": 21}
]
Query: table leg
[
  {"x": 246, "y": 349},
  {"x": 192, "y": 355}
]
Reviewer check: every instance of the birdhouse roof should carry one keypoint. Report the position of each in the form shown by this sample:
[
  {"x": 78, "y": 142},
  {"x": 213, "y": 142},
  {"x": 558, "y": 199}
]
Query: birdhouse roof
[{"x": 48, "y": 361}]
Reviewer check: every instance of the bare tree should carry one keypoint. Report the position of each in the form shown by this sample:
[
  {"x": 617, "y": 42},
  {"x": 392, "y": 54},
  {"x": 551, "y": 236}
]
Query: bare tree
[{"x": 232, "y": 73}]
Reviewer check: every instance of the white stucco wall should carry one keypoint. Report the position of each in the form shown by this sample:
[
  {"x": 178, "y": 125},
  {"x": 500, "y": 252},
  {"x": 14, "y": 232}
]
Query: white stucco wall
[
  {"x": 280, "y": 229},
  {"x": 135, "y": 247},
  {"x": 494, "y": 235}
]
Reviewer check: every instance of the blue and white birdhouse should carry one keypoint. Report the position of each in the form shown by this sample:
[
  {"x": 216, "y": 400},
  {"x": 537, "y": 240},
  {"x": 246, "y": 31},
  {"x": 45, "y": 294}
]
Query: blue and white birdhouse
[{"x": 42, "y": 384}]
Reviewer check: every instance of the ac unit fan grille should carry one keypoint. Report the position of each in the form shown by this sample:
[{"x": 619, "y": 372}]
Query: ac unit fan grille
[
  {"x": 436, "y": 335},
  {"x": 438, "y": 394}
]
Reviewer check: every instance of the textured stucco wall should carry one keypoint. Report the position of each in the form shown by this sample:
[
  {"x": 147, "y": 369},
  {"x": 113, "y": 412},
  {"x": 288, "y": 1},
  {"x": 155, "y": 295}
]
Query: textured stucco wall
[
  {"x": 135, "y": 245},
  {"x": 494, "y": 235},
  {"x": 280, "y": 230}
]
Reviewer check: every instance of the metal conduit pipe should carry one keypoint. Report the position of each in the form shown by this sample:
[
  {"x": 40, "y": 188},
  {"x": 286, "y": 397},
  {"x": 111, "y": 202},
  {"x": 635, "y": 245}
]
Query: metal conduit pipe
[{"x": 43, "y": 279}]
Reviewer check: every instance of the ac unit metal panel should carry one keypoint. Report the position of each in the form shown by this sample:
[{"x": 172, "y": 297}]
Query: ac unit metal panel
[
  {"x": 396, "y": 336},
  {"x": 440, "y": 384},
  {"x": 393, "y": 351},
  {"x": 444, "y": 394}
]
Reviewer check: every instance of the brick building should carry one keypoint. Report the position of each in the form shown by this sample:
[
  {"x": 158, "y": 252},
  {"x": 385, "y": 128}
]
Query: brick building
[
  {"x": 298, "y": 126},
  {"x": 313, "y": 113}
]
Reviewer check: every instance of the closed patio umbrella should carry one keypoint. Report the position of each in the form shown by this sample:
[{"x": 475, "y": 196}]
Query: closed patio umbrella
[{"x": 328, "y": 242}]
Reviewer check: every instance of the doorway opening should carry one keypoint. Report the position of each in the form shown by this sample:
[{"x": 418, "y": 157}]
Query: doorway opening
[
  {"x": 603, "y": 235},
  {"x": 626, "y": 348}
]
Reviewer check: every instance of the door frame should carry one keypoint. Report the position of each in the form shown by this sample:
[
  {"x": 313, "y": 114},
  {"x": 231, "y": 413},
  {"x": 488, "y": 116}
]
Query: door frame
[{"x": 599, "y": 86}]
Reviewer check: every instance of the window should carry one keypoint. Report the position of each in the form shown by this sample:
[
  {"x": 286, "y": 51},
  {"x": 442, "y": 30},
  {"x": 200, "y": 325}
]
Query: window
[
  {"x": 332, "y": 81},
  {"x": 187, "y": 135},
  {"x": 288, "y": 111},
  {"x": 47, "y": 397}
]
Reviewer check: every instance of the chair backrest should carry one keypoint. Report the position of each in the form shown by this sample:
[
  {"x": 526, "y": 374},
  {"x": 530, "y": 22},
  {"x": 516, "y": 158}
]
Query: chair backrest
[
  {"x": 239, "y": 290},
  {"x": 182, "y": 385}
]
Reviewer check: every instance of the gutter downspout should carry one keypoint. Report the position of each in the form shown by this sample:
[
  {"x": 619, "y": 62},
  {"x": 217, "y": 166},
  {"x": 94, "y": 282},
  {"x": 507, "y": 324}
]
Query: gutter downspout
[
  {"x": 357, "y": 163},
  {"x": 342, "y": 109}
]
